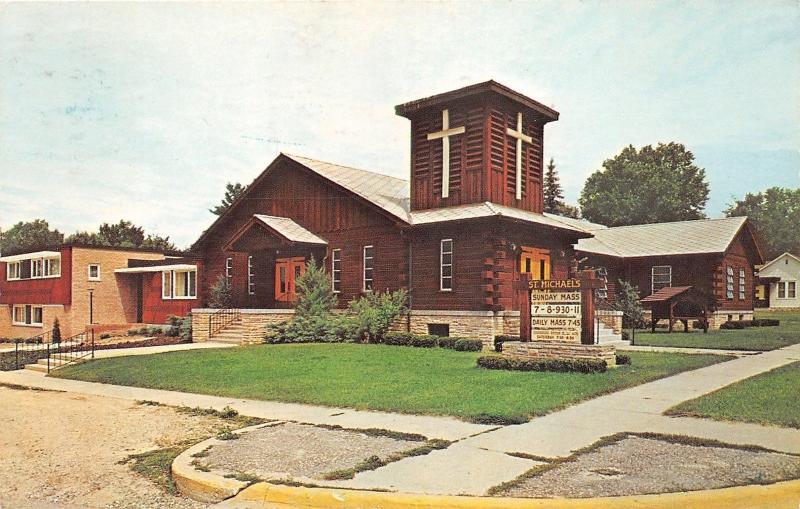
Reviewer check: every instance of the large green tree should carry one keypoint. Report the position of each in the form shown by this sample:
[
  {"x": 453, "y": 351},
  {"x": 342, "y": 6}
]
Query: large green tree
[
  {"x": 122, "y": 234},
  {"x": 29, "y": 236},
  {"x": 775, "y": 214},
  {"x": 649, "y": 185},
  {"x": 554, "y": 194},
  {"x": 232, "y": 191}
]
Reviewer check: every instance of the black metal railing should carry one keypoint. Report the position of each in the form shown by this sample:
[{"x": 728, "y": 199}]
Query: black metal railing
[
  {"x": 57, "y": 353},
  {"x": 71, "y": 350},
  {"x": 221, "y": 319}
]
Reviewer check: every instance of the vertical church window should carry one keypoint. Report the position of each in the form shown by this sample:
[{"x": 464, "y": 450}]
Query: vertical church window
[
  {"x": 446, "y": 265},
  {"x": 660, "y": 277},
  {"x": 336, "y": 270},
  {"x": 729, "y": 282},
  {"x": 368, "y": 268},
  {"x": 229, "y": 268},
  {"x": 251, "y": 277},
  {"x": 742, "y": 283}
]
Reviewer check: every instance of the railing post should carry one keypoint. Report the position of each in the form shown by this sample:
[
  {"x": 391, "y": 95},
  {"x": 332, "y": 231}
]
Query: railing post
[
  {"x": 16, "y": 354},
  {"x": 92, "y": 342},
  {"x": 48, "y": 358}
]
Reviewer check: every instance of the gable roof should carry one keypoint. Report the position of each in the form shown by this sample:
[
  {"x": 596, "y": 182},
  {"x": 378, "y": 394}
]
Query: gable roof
[
  {"x": 289, "y": 229},
  {"x": 391, "y": 195},
  {"x": 703, "y": 236},
  {"x": 780, "y": 257}
]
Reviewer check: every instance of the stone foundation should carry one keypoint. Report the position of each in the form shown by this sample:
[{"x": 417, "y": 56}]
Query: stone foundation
[
  {"x": 483, "y": 325},
  {"x": 560, "y": 350},
  {"x": 253, "y": 323},
  {"x": 611, "y": 319}
]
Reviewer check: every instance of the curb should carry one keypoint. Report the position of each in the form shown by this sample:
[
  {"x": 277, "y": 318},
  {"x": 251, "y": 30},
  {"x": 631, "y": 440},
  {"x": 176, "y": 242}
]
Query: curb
[
  {"x": 782, "y": 495},
  {"x": 203, "y": 486},
  {"x": 212, "y": 487}
]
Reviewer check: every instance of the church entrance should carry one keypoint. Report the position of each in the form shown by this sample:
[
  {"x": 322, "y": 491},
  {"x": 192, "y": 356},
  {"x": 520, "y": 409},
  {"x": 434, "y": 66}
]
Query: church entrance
[
  {"x": 536, "y": 262},
  {"x": 287, "y": 271}
]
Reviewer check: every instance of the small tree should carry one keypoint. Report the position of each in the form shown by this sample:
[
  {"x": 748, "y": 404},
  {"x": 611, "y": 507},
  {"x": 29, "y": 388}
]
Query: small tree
[
  {"x": 314, "y": 292},
  {"x": 220, "y": 295},
  {"x": 372, "y": 315},
  {"x": 553, "y": 194},
  {"x": 232, "y": 191},
  {"x": 56, "y": 331},
  {"x": 629, "y": 304}
]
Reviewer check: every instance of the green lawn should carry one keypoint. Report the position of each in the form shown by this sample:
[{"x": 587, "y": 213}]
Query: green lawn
[
  {"x": 769, "y": 398},
  {"x": 752, "y": 338},
  {"x": 378, "y": 377}
]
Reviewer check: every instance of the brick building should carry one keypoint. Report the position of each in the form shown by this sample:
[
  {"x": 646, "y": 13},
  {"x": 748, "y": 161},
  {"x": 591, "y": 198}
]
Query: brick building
[{"x": 102, "y": 286}]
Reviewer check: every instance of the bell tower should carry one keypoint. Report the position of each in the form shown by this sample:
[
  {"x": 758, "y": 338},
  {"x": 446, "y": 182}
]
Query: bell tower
[{"x": 476, "y": 144}]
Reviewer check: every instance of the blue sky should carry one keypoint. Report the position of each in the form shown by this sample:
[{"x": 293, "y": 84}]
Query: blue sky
[{"x": 145, "y": 111}]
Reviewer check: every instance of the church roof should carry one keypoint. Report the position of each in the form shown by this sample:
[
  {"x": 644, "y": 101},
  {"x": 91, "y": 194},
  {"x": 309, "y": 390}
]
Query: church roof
[
  {"x": 290, "y": 230},
  {"x": 389, "y": 193},
  {"x": 703, "y": 236},
  {"x": 392, "y": 195}
]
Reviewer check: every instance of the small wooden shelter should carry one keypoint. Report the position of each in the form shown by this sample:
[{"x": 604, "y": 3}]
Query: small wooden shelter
[{"x": 679, "y": 304}]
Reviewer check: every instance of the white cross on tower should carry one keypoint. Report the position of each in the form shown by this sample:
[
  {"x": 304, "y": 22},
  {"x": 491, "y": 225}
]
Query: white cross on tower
[
  {"x": 445, "y": 134},
  {"x": 520, "y": 138}
]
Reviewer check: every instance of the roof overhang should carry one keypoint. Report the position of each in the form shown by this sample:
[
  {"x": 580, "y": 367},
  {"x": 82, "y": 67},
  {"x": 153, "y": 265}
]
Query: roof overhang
[
  {"x": 266, "y": 232},
  {"x": 28, "y": 256},
  {"x": 155, "y": 268}
]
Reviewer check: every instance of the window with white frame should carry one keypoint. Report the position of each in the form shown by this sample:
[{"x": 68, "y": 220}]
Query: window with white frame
[
  {"x": 660, "y": 277},
  {"x": 446, "y": 265},
  {"x": 729, "y": 282},
  {"x": 229, "y": 268},
  {"x": 37, "y": 266},
  {"x": 787, "y": 289},
  {"x": 27, "y": 314},
  {"x": 179, "y": 284},
  {"x": 94, "y": 272},
  {"x": 368, "y": 267},
  {"x": 336, "y": 270},
  {"x": 742, "y": 285},
  {"x": 251, "y": 278},
  {"x": 13, "y": 270},
  {"x": 52, "y": 267}
]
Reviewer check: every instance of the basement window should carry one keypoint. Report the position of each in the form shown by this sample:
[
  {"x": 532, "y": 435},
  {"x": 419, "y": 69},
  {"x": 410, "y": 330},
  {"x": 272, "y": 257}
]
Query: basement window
[{"x": 439, "y": 329}]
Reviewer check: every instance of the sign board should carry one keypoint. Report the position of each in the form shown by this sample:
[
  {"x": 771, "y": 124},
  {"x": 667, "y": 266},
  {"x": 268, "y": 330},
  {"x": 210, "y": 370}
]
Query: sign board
[{"x": 556, "y": 310}]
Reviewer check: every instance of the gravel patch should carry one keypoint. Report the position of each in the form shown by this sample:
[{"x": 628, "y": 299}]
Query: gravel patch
[
  {"x": 299, "y": 450},
  {"x": 64, "y": 450},
  {"x": 639, "y": 466}
]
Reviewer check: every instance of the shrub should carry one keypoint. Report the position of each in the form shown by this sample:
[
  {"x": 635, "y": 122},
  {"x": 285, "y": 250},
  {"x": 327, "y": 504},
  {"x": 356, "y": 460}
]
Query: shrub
[
  {"x": 468, "y": 345},
  {"x": 426, "y": 341},
  {"x": 557, "y": 365},
  {"x": 398, "y": 339},
  {"x": 133, "y": 332},
  {"x": 185, "y": 329},
  {"x": 736, "y": 324},
  {"x": 56, "y": 331},
  {"x": 766, "y": 322},
  {"x": 628, "y": 302},
  {"x": 499, "y": 340},
  {"x": 155, "y": 331},
  {"x": 623, "y": 359},
  {"x": 220, "y": 295},
  {"x": 371, "y": 315},
  {"x": 105, "y": 335}
]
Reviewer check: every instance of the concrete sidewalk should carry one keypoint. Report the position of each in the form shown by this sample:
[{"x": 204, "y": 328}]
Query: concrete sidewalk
[
  {"x": 558, "y": 434},
  {"x": 446, "y": 428},
  {"x": 626, "y": 346}
]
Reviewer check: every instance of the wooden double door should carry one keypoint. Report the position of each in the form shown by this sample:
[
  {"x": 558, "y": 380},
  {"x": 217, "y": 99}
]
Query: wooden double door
[
  {"x": 536, "y": 262},
  {"x": 287, "y": 272}
]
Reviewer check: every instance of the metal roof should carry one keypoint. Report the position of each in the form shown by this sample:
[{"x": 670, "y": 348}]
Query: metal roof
[
  {"x": 703, "y": 236},
  {"x": 290, "y": 230},
  {"x": 155, "y": 268},
  {"x": 28, "y": 256},
  {"x": 389, "y": 193},
  {"x": 488, "y": 209}
]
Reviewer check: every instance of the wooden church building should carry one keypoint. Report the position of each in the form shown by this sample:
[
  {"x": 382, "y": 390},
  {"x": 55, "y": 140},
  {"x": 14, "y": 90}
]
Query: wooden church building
[{"x": 457, "y": 235}]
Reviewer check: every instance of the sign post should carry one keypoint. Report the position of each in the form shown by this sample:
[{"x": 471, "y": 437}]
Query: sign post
[{"x": 558, "y": 309}]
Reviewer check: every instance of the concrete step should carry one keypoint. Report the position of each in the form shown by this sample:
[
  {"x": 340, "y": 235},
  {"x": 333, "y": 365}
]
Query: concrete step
[{"x": 36, "y": 367}]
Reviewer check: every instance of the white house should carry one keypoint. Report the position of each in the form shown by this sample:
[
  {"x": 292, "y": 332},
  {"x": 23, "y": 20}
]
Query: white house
[{"x": 783, "y": 276}]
